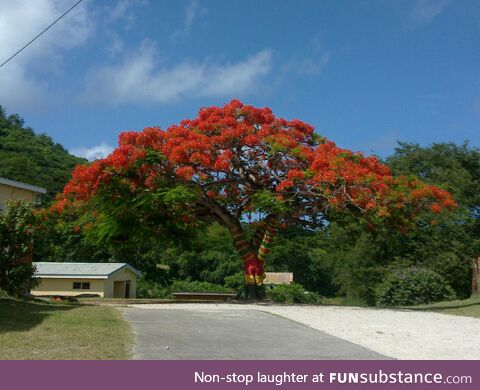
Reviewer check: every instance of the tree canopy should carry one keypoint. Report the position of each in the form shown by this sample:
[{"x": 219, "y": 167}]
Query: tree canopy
[{"x": 238, "y": 163}]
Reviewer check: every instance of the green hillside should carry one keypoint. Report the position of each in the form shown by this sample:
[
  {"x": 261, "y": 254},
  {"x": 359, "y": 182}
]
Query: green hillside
[{"x": 33, "y": 158}]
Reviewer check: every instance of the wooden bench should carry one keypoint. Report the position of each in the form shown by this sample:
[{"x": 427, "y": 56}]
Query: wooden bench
[{"x": 211, "y": 297}]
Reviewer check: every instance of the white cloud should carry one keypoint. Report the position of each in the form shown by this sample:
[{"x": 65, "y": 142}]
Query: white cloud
[
  {"x": 93, "y": 153},
  {"x": 21, "y": 78},
  {"x": 192, "y": 12},
  {"x": 239, "y": 78},
  {"x": 117, "y": 45},
  {"x": 308, "y": 66},
  {"x": 123, "y": 10},
  {"x": 424, "y": 11},
  {"x": 140, "y": 79},
  {"x": 121, "y": 15},
  {"x": 119, "y": 10}
]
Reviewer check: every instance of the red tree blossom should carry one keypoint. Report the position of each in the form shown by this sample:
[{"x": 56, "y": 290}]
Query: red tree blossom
[{"x": 235, "y": 160}]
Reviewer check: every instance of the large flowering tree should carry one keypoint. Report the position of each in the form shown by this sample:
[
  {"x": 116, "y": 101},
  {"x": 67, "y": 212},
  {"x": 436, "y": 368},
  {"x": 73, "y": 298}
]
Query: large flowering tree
[{"x": 234, "y": 162}]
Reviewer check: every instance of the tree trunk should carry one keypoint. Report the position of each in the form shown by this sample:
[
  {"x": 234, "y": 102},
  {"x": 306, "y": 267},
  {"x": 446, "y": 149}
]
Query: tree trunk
[
  {"x": 252, "y": 266},
  {"x": 253, "y": 255},
  {"x": 476, "y": 276},
  {"x": 252, "y": 263},
  {"x": 3, "y": 280}
]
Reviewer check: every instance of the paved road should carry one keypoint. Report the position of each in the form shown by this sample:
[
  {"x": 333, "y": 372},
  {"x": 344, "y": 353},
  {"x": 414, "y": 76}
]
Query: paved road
[{"x": 232, "y": 334}]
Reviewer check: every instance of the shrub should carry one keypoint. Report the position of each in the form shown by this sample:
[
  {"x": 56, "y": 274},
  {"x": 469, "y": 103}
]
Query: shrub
[
  {"x": 148, "y": 289},
  {"x": 197, "y": 287},
  {"x": 3, "y": 294},
  {"x": 235, "y": 281},
  {"x": 292, "y": 293},
  {"x": 17, "y": 227},
  {"x": 413, "y": 286}
]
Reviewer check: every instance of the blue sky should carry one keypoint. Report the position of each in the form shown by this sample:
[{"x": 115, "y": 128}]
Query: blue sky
[{"x": 365, "y": 73}]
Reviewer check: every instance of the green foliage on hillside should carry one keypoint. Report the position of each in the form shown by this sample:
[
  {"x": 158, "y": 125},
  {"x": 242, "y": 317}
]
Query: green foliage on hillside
[{"x": 33, "y": 158}]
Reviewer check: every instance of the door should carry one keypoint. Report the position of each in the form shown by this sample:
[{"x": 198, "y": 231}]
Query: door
[{"x": 127, "y": 289}]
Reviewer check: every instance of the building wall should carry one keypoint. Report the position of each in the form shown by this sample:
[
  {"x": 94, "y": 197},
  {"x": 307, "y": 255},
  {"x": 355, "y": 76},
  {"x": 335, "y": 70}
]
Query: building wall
[
  {"x": 102, "y": 287},
  {"x": 121, "y": 275},
  {"x": 14, "y": 193},
  {"x": 54, "y": 286}
]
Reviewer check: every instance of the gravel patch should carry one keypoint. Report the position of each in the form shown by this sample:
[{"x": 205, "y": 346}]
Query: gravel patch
[{"x": 400, "y": 334}]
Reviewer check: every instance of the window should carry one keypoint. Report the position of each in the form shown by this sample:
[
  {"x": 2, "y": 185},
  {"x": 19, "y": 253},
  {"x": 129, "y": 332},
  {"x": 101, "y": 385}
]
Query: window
[{"x": 81, "y": 285}]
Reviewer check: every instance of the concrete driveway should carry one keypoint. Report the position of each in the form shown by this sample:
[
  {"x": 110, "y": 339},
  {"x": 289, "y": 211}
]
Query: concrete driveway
[{"x": 177, "y": 333}]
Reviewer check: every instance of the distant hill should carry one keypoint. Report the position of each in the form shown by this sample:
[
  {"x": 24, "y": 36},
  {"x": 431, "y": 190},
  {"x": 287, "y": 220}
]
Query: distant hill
[{"x": 33, "y": 158}]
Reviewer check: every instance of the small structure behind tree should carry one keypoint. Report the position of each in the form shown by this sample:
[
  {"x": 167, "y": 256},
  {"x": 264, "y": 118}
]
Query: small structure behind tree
[{"x": 275, "y": 278}]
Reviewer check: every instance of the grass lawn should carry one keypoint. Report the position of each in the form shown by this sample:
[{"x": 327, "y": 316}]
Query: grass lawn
[
  {"x": 41, "y": 330},
  {"x": 468, "y": 307}
]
